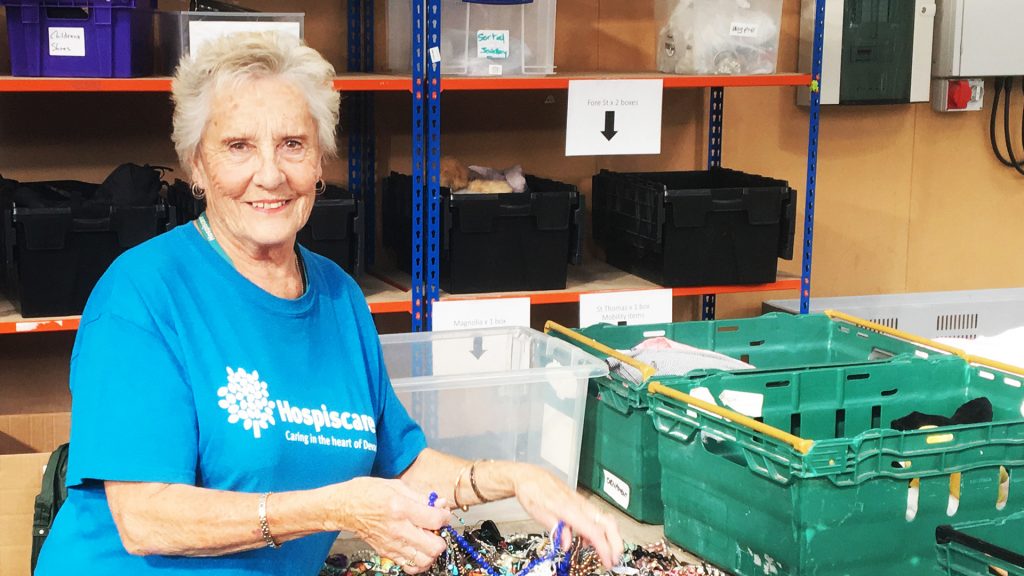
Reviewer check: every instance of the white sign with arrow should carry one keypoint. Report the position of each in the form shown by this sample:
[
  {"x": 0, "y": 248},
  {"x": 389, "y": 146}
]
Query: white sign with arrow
[
  {"x": 477, "y": 351},
  {"x": 608, "y": 117}
]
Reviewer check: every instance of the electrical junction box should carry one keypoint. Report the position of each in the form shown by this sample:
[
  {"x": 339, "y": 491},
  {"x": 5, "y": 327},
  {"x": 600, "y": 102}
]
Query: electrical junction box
[
  {"x": 977, "y": 38},
  {"x": 875, "y": 51}
]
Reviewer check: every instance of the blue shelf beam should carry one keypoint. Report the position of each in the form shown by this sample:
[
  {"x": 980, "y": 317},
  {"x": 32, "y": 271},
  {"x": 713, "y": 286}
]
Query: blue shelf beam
[
  {"x": 432, "y": 257},
  {"x": 419, "y": 175},
  {"x": 812, "y": 157}
]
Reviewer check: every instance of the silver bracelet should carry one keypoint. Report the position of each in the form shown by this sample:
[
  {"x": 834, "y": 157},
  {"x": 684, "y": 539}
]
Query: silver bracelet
[{"x": 264, "y": 525}]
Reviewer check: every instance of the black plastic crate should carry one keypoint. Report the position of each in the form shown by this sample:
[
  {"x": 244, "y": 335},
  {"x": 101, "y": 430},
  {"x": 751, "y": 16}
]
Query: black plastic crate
[
  {"x": 186, "y": 206},
  {"x": 700, "y": 228},
  {"x": 334, "y": 230},
  {"x": 494, "y": 242},
  {"x": 6, "y": 232},
  {"x": 60, "y": 253},
  {"x": 983, "y": 547}
]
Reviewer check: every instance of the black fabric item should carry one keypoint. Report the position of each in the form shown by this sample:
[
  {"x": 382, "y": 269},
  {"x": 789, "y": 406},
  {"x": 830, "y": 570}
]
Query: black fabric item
[
  {"x": 130, "y": 185},
  {"x": 50, "y": 498},
  {"x": 972, "y": 412}
]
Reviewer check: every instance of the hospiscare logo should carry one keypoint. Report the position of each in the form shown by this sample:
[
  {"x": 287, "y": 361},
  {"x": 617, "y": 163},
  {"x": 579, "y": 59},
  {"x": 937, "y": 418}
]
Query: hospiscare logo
[{"x": 247, "y": 400}]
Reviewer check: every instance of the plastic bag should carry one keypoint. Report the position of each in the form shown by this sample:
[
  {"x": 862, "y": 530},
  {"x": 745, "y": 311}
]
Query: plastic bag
[{"x": 731, "y": 37}]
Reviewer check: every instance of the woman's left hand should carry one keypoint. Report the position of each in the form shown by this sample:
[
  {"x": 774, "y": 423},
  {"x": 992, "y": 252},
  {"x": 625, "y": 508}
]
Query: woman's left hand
[{"x": 548, "y": 500}]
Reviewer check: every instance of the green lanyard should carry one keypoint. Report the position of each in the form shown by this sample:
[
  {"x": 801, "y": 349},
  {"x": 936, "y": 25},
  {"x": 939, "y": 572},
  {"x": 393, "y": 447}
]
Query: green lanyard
[
  {"x": 203, "y": 224},
  {"x": 204, "y": 229}
]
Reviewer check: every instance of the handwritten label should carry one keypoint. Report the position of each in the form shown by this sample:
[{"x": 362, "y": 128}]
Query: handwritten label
[
  {"x": 634, "y": 307},
  {"x": 616, "y": 489},
  {"x": 67, "y": 41},
  {"x": 485, "y": 313},
  {"x": 743, "y": 30},
  {"x": 492, "y": 44}
]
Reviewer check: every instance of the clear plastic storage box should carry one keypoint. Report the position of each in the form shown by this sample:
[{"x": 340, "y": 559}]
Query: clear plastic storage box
[
  {"x": 481, "y": 37},
  {"x": 731, "y": 37},
  {"x": 181, "y": 33},
  {"x": 502, "y": 393}
]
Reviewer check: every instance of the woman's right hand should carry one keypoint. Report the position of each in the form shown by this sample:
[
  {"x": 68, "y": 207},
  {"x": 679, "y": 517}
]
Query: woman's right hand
[{"x": 393, "y": 519}]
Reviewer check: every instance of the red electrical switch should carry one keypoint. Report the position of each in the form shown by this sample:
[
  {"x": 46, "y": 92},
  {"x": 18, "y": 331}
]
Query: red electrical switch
[{"x": 958, "y": 95}]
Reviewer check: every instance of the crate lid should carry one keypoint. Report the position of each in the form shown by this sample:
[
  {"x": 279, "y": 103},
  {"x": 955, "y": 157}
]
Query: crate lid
[{"x": 550, "y": 209}]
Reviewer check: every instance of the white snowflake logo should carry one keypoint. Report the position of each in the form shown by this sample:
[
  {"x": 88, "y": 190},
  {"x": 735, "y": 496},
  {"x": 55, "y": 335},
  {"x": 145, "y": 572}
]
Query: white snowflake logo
[{"x": 246, "y": 399}]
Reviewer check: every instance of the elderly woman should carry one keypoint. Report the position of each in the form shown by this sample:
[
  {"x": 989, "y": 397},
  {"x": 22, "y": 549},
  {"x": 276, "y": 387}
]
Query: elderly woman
[{"x": 205, "y": 356}]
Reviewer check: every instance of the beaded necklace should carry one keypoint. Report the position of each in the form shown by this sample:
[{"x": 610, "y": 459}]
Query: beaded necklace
[{"x": 556, "y": 539}]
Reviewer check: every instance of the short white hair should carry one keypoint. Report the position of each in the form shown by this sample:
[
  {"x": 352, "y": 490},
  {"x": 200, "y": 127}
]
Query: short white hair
[{"x": 235, "y": 58}]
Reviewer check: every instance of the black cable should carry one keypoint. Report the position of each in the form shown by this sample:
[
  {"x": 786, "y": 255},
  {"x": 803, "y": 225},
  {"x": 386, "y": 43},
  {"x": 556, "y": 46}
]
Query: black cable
[
  {"x": 997, "y": 89},
  {"x": 1005, "y": 84},
  {"x": 1008, "y": 89}
]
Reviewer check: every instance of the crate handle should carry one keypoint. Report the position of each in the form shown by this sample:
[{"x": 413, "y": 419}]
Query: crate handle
[
  {"x": 802, "y": 445},
  {"x": 978, "y": 360},
  {"x": 836, "y": 315},
  {"x": 646, "y": 371}
]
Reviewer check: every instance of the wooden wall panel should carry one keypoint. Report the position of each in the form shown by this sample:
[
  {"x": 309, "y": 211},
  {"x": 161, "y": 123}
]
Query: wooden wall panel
[
  {"x": 577, "y": 35},
  {"x": 34, "y": 373},
  {"x": 966, "y": 207}
]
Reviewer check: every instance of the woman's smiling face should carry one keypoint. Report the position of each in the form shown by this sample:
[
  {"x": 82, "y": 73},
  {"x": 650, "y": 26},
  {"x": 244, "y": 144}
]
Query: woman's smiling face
[{"x": 259, "y": 161}]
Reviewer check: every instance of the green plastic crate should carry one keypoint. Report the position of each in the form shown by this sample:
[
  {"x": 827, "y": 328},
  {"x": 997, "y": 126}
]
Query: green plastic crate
[
  {"x": 753, "y": 504},
  {"x": 619, "y": 456},
  {"x": 982, "y": 548}
]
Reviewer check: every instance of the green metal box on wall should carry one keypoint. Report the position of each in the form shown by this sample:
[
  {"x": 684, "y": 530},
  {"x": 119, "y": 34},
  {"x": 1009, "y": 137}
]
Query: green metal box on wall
[
  {"x": 875, "y": 51},
  {"x": 878, "y": 37}
]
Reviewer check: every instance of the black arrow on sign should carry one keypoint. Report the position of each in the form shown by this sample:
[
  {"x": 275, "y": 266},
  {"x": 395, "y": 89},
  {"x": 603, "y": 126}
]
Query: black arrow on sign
[
  {"x": 478, "y": 347},
  {"x": 609, "y": 125}
]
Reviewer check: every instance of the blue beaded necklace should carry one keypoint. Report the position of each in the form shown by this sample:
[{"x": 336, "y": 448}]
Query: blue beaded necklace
[{"x": 556, "y": 539}]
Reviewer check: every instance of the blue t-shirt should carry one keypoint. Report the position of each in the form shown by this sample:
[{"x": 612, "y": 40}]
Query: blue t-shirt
[{"x": 185, "y": 372}]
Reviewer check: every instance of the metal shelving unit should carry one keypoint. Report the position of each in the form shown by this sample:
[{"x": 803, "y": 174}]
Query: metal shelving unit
[
  {"x": 426, "y": 146},
  {"x": 392, "y": 292}
]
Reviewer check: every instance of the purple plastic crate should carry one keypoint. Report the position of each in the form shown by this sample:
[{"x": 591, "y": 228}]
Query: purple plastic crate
[{"x": 80, "y": 38}]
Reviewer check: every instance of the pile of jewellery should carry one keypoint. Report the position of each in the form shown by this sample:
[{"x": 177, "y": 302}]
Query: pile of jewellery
[{"x": 530, "y": 554}]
